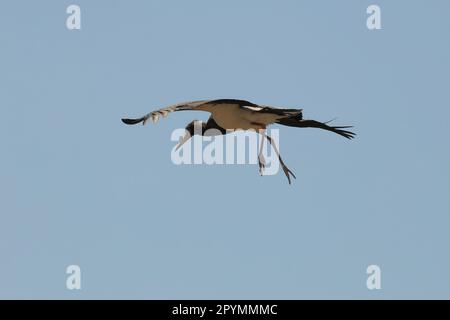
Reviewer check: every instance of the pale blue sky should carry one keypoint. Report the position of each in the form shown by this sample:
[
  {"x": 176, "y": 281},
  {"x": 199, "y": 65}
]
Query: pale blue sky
[{"x": 79, "y": 187}]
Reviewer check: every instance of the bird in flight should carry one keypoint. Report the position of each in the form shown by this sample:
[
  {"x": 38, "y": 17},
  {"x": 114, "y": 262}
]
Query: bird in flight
[{"x": 228, "y": 115}]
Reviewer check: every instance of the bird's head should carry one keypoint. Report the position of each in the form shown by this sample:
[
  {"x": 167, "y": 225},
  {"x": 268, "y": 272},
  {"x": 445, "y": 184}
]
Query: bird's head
[{"x": 195, "y": 127}]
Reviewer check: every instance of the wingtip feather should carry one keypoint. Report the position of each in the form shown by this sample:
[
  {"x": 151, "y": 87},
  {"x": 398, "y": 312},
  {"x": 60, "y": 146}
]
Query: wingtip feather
[{"x": 132, "y": 121}]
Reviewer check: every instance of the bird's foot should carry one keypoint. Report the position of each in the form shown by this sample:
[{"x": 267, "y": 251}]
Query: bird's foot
[
  {"x": 287, "y": 172},
  {"x": 261, "y": 163}
]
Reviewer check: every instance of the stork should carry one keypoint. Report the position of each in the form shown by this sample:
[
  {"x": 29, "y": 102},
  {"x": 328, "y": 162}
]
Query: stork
[{"x": 228, "y": 115}]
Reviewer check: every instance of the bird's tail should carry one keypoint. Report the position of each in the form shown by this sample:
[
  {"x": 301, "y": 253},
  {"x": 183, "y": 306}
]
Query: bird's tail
[{"x": 299, "y": 123}]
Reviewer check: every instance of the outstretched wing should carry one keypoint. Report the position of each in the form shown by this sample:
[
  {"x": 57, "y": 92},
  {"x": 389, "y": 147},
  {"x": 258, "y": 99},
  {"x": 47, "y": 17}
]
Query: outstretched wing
[
  {"x": 228, "y": 113},
  {"x": 155, "y": 115}
]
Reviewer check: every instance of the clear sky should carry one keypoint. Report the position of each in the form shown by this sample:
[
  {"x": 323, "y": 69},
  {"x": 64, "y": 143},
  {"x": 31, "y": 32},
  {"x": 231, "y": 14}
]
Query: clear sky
[{"x": 79, "y": 187}]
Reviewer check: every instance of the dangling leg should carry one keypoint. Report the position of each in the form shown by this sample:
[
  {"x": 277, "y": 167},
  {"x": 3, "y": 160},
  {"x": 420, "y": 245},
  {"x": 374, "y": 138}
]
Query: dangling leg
[
  {"x": 283, "y": 166},
  {"x": 261, "y": 160}
]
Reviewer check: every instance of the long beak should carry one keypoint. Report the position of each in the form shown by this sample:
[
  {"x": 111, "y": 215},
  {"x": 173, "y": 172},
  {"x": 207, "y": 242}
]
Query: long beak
[{"x": 183, "y": 140}]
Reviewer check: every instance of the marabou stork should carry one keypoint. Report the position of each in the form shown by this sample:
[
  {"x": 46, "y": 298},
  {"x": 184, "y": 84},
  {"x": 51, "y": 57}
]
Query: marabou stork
[{"x": 233, "y": 114}]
